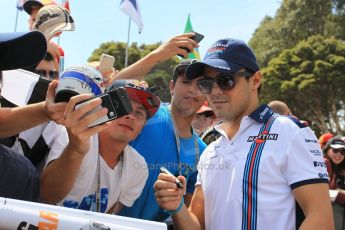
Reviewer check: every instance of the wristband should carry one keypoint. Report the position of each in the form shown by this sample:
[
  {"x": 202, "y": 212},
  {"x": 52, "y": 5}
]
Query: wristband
[{"x": 173, "y": 212}]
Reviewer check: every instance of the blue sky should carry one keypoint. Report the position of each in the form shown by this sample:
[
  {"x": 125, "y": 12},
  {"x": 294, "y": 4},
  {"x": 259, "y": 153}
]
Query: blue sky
[{"x": 102, "y": 21}]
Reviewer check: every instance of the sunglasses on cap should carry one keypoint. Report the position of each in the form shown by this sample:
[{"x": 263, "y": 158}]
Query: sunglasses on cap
[
  {"x": 47, "y": 74},
  {"x": 341, "y": 151},
  {"x": 225, "y": 81}
]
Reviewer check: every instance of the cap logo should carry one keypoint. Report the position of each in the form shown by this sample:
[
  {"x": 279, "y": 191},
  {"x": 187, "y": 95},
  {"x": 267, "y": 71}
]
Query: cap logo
[
  {"x": 45, "y": 18},
  {"x": 215, "y": 50},
  {"x": 137, "y": 85},
  {"x": 219, "y": 48}
]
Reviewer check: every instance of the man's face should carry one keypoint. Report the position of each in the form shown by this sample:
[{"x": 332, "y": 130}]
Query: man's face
[
  {"x": 47, "y": 70},
  {"x": 186, "y": 97},
  {"x": 32, "y": 17},
  {"x": 201, "y": 121},
  {"x": 127, "y": 128},
  {"x": 230, "y": 104}
]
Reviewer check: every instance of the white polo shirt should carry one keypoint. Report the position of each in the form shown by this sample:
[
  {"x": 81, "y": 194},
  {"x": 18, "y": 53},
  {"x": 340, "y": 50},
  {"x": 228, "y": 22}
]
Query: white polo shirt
[{"x": 263, "y": 169}]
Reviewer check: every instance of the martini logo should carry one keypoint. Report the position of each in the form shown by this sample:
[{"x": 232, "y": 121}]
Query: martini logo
[{"x": 262, "y": 137}]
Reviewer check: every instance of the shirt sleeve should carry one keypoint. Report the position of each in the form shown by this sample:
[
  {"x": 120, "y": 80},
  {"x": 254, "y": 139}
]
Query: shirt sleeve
[
  {"x": 134, "y": 182},
  {"x": 304, "y": 163},
  {"x": 58, "y": 145},
  {"x": 200, "y": 167}
]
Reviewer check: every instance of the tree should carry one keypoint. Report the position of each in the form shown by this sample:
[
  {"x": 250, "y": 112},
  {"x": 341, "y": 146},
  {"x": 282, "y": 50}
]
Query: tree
[
  {"x": 311, "y": 79},
  {"x": 158, "y": 78},
  {"x": 296, "y": 20}
]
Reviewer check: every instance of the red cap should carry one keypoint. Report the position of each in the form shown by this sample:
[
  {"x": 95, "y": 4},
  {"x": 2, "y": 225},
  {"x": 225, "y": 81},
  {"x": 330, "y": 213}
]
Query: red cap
[
  {"x": 324, "y": 138},
  {"x": 204, "y": 108}
]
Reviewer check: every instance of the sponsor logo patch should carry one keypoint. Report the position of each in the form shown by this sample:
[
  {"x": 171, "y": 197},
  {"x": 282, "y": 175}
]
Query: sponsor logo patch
[
  {"x": 315, "y": 152},
  {"x": 265, "y": 136},
  {"x": 309, "y": 140},
  {"x": 323, "y": 175},
  {"x": 319, "y": 164}
]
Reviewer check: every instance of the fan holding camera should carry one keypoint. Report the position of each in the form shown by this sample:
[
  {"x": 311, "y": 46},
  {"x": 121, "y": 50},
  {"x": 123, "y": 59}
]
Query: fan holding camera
[{"x": 98, "y": 170}]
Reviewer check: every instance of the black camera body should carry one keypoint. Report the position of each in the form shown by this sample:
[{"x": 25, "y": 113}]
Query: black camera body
[{"x": 116, "y": 101}]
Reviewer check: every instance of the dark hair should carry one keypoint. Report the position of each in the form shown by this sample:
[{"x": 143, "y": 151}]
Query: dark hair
[
  {"x": 48, "y": 57},
  {"x": 336, "y": 168},
  {"x": 181, "y": 68},
  {"x": 252, "y": 73}
]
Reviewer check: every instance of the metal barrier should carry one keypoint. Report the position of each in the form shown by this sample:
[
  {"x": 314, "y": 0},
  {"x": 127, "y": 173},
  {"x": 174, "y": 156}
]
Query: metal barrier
[{"x": 17, "y": 214}]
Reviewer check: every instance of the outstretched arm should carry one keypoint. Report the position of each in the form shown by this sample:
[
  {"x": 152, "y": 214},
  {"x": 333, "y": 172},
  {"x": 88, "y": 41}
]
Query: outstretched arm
[
  {"x": 167, "y": 50},
  {"x": 60, "y": 174},
  {"x": 15, "y": 120}
]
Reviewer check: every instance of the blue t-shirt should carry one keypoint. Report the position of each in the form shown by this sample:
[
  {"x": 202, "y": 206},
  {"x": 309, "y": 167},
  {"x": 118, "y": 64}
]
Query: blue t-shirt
[{"x": 157, "y": 144}]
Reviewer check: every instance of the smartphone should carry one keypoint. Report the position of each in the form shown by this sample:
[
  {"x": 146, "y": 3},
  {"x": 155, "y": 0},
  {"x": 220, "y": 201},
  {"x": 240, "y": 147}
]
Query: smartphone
[
  {"x": 106, "y": 63},
  {"x": 197, "y": 37},
  {"x": 116, "y": 101}
]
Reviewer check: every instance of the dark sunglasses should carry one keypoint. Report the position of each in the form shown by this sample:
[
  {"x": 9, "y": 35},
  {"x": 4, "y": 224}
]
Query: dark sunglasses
[
  {"x": 47, "y": 74},
  {"x": 341, "y": 151},
  {"x": 225, "y": 81}
]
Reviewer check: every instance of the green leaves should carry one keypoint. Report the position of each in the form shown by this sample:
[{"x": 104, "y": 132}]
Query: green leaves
[
  {"x": 159, "y": 76},
  {"x": 310, "y": 77}
]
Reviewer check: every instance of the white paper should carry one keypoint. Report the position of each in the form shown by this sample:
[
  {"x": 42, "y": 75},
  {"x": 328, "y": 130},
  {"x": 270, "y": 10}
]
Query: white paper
[{"x": 18, "y": 85}]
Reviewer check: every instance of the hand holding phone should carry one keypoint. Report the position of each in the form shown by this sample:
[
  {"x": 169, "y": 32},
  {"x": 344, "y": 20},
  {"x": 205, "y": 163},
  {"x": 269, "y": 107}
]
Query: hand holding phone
[
  {"x": 116, "y": 101},
  {"x": 196, "y": 37},
  {"x": 106, "y": 63}
]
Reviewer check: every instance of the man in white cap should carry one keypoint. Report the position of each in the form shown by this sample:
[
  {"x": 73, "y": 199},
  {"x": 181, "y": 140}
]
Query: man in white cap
[{"x": 32, "y": 7}]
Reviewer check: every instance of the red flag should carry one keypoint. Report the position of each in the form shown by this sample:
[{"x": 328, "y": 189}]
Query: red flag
[{"x": 65, "y": 4}]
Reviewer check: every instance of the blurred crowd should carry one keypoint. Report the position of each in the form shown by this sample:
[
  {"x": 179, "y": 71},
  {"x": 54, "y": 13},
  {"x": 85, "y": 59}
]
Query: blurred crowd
[{"x": 95, "y": 138}]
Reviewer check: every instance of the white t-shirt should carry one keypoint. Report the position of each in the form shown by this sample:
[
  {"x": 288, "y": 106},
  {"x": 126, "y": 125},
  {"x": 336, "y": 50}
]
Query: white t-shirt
[
  {"x": 289, "y": 159},
  {"x": 54, "y": 136},
  {"x": 124, "y": 183}
]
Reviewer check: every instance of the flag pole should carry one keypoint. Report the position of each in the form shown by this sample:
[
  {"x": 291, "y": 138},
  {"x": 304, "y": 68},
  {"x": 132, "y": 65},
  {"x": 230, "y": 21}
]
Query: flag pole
[
  {"x": 127, "y": 47},
  {"x": 15, "y": 25}
]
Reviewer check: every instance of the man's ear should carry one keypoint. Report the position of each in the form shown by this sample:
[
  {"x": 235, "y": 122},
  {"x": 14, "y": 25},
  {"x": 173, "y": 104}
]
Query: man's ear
[
  {"x": 171, "y": 87},
  {"x": 257, "y": 80}
]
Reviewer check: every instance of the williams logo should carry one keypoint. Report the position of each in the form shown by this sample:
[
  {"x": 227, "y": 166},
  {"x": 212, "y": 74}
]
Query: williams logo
[
  {"x": 323, "y": 175},
  {"x": 319, "y": 164},
  {"x": 262, "y": 137}
]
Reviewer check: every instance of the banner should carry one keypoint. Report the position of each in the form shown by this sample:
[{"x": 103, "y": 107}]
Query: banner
[{"x": 19, "y": 214}]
